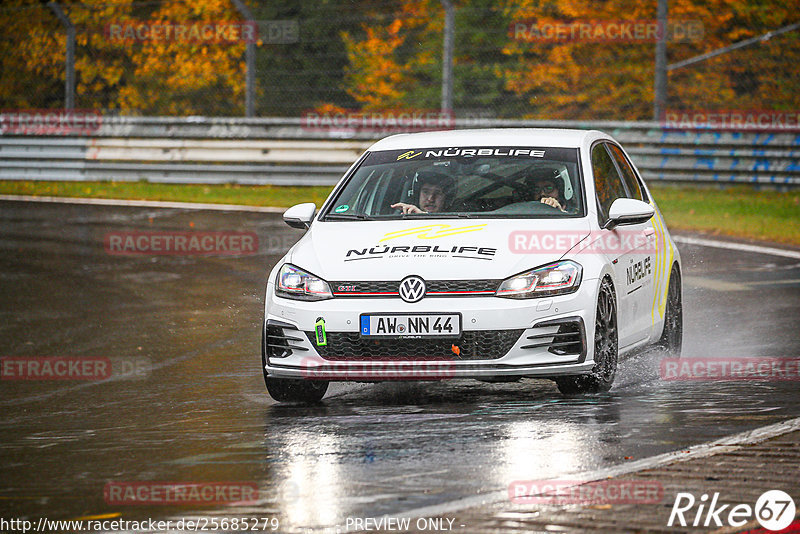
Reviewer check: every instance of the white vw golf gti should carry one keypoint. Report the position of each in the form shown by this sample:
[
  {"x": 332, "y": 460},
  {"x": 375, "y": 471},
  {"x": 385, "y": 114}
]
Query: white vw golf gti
[{"x": 486, "y": 254}]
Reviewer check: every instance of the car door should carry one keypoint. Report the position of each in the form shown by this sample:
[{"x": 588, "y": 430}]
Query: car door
[
  {"x": 643, "y": 237},
  {"x": 625, "y": 248},
  {"x": 653, "y": 248}
]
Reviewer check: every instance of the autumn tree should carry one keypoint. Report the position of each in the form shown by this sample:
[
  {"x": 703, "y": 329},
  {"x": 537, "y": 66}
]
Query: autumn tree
[
  {"x": 396, "y": 61},
  {"x": 187, "y": 77},
  {"x": 31, "y": 57},
  {"x": 150, "y": 77},
  {"x": 387, "y": 55},
  {"x": 396, "y": 57},
  {"x": 295, "y": 77}
]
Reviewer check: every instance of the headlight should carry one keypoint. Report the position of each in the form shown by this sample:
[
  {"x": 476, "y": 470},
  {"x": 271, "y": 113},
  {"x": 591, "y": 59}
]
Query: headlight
[
  {"x": 557, "y": 278},
  {"x": 294, "y": 283}
]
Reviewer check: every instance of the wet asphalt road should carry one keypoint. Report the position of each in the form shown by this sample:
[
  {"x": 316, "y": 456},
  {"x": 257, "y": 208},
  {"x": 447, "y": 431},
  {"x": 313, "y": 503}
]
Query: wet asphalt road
[{"x": 198, "y": 409}]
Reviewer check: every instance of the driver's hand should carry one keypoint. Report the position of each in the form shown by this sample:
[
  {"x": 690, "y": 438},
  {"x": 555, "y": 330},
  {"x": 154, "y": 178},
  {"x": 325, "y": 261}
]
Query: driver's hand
[
  {"x": 407, "y": 208},
  {"x": 550, "y": 201}
]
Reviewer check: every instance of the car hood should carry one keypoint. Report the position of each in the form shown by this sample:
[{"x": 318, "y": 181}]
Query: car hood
[{"x": 434, "y": 249}]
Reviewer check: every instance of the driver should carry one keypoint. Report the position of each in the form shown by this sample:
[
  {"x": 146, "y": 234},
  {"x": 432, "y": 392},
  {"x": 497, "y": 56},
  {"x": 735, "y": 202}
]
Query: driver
[
  {"x": 546, "y": 186},
  {"x": 435, "y": 193}
]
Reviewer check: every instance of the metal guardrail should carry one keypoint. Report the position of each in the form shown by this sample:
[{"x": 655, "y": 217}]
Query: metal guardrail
[{"x": 281, "y": 151}]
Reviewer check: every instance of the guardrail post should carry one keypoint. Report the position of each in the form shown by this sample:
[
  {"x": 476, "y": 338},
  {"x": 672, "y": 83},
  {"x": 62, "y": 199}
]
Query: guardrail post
[
  {"x": 69, "y": 97},
  {"x": 250, "y": 61}
]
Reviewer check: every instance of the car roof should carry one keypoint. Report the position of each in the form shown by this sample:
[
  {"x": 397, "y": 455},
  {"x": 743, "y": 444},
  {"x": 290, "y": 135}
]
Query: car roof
[{"x": 546, "y": 137}]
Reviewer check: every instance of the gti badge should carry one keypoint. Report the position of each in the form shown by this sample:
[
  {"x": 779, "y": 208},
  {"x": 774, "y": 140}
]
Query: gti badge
[{"x": 412, "y": 289}]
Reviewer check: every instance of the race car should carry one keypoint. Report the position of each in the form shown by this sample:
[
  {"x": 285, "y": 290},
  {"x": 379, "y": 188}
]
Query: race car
[{"x": 494, "y": 254}]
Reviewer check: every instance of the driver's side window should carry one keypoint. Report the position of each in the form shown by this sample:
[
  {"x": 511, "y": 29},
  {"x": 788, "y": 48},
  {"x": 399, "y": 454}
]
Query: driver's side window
[{"x": 607, "y": 182}]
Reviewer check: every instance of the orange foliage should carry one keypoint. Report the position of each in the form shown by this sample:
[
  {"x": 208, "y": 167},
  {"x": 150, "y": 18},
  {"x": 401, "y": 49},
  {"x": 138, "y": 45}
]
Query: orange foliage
[
  {"x": 166, "y": 77},
  {"x": 374, "y": 75},
  {"x": 565, "y": 80}
]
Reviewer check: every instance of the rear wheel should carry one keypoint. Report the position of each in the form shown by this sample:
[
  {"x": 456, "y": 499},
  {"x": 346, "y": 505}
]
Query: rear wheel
[
  {"x": 606, "y": 349},
  {"x": 288, "y": 389},
  {"x": 672, "y": 337}
]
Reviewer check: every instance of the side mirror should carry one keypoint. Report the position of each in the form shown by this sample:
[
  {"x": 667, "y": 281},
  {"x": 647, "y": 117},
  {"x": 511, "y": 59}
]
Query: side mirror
[
  {"x": 628, "y": 211},
  {"x": 300, "y": 215}
]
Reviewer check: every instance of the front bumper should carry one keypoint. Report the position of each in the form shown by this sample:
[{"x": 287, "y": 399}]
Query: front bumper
[{"x": 534, "y": 338}]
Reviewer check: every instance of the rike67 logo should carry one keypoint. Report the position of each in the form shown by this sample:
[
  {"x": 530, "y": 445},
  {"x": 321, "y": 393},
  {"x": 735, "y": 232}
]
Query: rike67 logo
[{"x": 774, "y": 510}]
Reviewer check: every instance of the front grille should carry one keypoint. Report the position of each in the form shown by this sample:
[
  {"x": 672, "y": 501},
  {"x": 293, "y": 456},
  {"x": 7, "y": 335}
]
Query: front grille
[
  {"x": 359, "y": 288},
  {"x": 280, "y": 344},
  {"x": 434, "y": 288},
  {"x": 446, "y": 286},
  {"x": 472, "y": 345},
  {"x": 570, "y": 338}
]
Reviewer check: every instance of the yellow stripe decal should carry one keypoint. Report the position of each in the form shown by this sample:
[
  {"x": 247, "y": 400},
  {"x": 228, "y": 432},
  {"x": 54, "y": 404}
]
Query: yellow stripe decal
[
  {"x": 658, "y": 264},
  {"x": 432, "y": 231},
  {"x": 664, "y": 256},
  {"x": 668, "y": 267}
]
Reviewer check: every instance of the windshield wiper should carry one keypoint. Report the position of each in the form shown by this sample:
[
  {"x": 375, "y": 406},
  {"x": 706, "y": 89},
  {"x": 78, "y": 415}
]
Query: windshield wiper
[
  {"x": 348, "y": 217},
  {"x": 450, "y": 215}
]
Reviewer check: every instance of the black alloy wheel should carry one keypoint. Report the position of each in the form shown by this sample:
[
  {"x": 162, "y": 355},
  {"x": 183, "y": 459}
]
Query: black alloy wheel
[{"x": 606, "y": 348}]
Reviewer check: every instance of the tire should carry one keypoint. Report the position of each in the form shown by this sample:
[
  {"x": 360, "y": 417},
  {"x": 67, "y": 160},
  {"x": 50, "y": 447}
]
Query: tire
[
  {"x": 606, "y": 348},
  {"x": 287, "y": 389},
  {"x": 672, "y": 337}
]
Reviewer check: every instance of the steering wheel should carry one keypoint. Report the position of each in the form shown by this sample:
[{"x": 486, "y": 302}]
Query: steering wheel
[{"x": 551, "y": 207}]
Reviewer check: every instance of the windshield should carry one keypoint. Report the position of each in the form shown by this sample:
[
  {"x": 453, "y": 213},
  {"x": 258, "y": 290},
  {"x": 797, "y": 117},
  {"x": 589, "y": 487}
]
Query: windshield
[{"x": 504, "y": 182}]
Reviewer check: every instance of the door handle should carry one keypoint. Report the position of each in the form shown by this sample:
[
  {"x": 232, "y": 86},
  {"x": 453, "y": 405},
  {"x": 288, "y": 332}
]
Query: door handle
[{"x": 649, "y": 231}]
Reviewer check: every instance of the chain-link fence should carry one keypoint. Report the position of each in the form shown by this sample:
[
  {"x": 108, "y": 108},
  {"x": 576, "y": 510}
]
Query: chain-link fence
[{"x": 529, "y": 59}]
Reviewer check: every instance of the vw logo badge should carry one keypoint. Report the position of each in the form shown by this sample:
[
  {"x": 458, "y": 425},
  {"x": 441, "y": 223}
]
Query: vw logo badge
[{"x": 412, "y": 289}]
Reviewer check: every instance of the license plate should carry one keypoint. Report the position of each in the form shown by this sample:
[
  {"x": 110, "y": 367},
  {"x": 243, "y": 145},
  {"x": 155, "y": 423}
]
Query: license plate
[{"x": 411, "y": 325}]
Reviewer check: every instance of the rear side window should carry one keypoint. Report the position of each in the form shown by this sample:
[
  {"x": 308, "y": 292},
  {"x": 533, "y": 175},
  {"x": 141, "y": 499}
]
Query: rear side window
[
  {"x": 607, "y": 182},
  {"x": 628, "y": 176}
]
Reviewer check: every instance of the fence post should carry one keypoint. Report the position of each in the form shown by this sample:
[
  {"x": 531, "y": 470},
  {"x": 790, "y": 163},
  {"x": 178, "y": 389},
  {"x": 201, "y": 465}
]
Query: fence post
[
  {"x": 69, "y": 97},
  {"x": 250, "y": 61},
  {"x": 660, "y": 82},
  {"x": 447, "y": 56}
]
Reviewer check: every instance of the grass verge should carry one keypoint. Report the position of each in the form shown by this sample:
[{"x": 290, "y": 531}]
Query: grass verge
[
  {"x": 249, "y": 195},
  {"x": 737, "y": 211}
]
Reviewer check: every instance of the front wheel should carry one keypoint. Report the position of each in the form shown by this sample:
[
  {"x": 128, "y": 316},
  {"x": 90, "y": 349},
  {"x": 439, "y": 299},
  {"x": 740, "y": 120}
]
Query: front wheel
[
  {"x": 672, "y": 337},
  {"x": 606, "y": 349}
]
